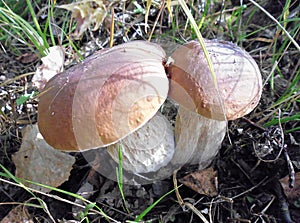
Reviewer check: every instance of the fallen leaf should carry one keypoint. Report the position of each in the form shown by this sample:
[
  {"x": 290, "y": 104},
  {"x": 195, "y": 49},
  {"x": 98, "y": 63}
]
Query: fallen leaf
[
  {"x": 27, "y": 58},
  {"x": 202, "y": 181},
  {"x": 293, "y": 194},
  {"x": 53, "y": 64},
  {"x": 39, "y": 162},
  {"x": 86, "y": 13},
  {"x": 18, "y": 214}
]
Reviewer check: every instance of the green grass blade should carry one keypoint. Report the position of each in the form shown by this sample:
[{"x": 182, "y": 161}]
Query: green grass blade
[
  {"x": 119, "y": 173},
  {"x": 207, "y": 3},
  {"x": 148, "y": 209},
  {"x": 278, "y": 23},
  {"x": 275, "y": 121},
  {"x": 51, "y": 6},
  {"x": 23, "y": 29},
  {"x": 201, "y": 41},
  {"x": 37, "y": 25}
]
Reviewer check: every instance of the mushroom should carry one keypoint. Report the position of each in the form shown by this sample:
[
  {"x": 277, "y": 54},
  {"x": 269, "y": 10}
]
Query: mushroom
[
  {"x": 113, "y": 97},
  {"x": 105, "y": 98},
  {"x": 239, "y": 83},
  {"x": 205, "y": 106}
]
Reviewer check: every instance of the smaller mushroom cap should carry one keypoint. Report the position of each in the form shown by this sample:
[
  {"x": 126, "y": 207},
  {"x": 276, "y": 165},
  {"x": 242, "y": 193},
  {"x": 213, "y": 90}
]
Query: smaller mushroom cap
[
  {"x": 147, "y": 149},
  {"x": 238, "y": 84},
  {"x": 105, "y": 98}
]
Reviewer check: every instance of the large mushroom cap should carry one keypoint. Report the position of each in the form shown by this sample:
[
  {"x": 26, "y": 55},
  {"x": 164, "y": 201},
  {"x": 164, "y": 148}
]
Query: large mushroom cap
[
  {"x": 104, "y": 98},
  {"x": 239, "y": 82}
]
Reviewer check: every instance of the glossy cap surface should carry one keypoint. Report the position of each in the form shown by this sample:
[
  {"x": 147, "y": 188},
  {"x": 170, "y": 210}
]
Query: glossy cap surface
[
  {"x": 238, "y": 84},
  {"x": 104, "y": 98}
]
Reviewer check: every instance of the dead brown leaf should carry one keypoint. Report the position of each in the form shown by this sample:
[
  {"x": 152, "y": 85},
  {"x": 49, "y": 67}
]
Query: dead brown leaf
[
  {"x": 18, "y": 214},
  {"x": 27, "y": 58},
  {"x": 39, "y": 162},
  {"x": 86, "y": 13},
  {"x": 202, "y": 181},
  {"x": 293, "y": 194}
]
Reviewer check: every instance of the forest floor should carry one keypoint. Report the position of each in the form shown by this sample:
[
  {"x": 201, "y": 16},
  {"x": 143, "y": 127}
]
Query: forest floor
[{"x": 259, "y": 157}]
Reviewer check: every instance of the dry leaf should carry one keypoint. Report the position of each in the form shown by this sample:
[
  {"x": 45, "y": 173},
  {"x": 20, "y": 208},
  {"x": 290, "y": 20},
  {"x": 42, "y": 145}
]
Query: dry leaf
[
  {"x": 202, "y": 181},
  {"x": 293, "y": 194},
  {"x": 39, "y": 162},
  {"x": 27, "y": 57},
  {"x": 18, "y": 214},
  {"x": 86, "y": 13},
  {"x": 53, "y": 64}
]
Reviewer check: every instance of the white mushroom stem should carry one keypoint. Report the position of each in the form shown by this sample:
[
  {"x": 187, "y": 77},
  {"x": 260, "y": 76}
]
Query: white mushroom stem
[
  {"x": 147, "y": 149},
  {"x": 198, "y": 139}
]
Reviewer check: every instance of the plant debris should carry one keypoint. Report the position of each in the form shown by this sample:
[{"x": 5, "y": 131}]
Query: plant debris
[
  {"x": 202, "y": 181},
  {"x": 53, "y": 64},
  {"x": 38, "y": 162},
  {"x": 86, "y": 13}
]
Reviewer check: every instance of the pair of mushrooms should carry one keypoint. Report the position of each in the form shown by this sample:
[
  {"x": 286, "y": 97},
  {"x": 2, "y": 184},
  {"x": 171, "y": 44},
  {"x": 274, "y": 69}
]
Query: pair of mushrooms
[{"x": 114, "y": 97}]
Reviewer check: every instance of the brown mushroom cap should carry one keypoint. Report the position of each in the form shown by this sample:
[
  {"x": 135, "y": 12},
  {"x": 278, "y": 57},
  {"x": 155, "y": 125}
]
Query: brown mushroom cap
[
  {"x": 239, "y": 82},
  {"x": 104, "y": 98}
]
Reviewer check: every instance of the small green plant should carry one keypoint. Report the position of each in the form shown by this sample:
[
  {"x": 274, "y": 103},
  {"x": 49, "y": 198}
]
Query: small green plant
[
  {"x": 119, "y": 174},
  {"x": 25, "y": 97},
  {"x": 83, "y": 216}
]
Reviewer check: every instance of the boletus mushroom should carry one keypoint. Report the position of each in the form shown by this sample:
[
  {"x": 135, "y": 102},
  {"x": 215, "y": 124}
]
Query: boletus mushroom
[
  {"x": 104, "y": 98},
  {"x": 114, "y": 96},
  {"x": 238, "y": 84},
  {"x": 204, "y": 104}
]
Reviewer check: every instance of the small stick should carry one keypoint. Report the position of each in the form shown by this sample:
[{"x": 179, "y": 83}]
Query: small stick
[
  {"x": 112, "y": 27},
  {"x": 290, "y": 168},
  {"x": 186, "y": 204},
  {"x": 156, "y": 20}
]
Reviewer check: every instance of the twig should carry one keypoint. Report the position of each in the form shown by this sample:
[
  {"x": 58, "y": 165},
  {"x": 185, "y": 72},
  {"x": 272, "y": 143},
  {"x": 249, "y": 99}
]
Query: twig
[
  {"x": 186, "y": 204},
  {"x": 254, "y": 124},
  {"x": 271, "y": 73},
  {"x": 112, "y": 27},
  {"x": 156, "y": 20},
  {"x": 250, "y": 189},
  {"x": 290, "y": 168}
]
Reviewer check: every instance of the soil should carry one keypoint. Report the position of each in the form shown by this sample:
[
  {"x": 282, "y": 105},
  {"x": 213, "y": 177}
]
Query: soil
[{"x": 252, "y": 160}]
